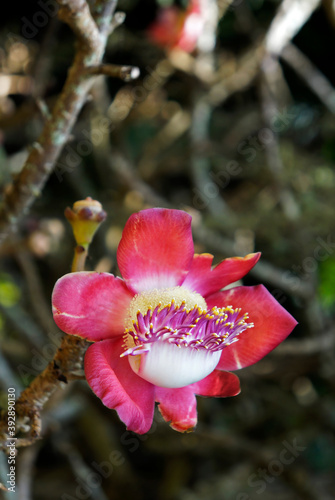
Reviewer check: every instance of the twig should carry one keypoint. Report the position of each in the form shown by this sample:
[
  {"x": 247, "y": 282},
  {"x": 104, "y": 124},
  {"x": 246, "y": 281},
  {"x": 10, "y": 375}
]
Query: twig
[
  {"x": 311, "y": 75},
  {"x": 7, "y": 377},
  {"x": 85, "y": 218},
  {"x": 43, "y": 108},
  {"x": 25, "y": 113},
  {"x": 264, "y": 271},
  {"x": 176, "y": 127},
  {"x": 78, "y": 465},
  {"x": 272, "y": 151},
  {"x": 40, "y": 70},
  {"x": 206, "y": 189},
  {"x": 290, "y": 17},
  {"x": 128, "y": 174},
  {"x": 23, "y": 324},
  {"x": 64, "y": 367},
  {"x": 46, "y": 150},
  {"x": 90, "y": 48},
  {"x": 247, "y": 69},
  {"x": 77, "y": 15},
  {"x": 283, "y": 279},
  {"x": 223, "y": 6},
  {"x": 321, "y": 343},
  {"x": 26, "y": 471},
  {"x": 125, "y": 73},
  {"x": 104, "y": 18},
  {"x": 37, "y": 297},
  {"x": 117, "y": 20}
]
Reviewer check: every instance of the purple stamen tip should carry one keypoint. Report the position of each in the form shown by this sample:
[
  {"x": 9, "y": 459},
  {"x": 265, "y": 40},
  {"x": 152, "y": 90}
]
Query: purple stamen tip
[{"x": 211, "y": 330}]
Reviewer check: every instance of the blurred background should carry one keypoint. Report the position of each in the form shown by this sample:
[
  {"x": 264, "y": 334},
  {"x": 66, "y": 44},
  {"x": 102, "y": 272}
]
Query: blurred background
[{"x": 232, "y": 120}]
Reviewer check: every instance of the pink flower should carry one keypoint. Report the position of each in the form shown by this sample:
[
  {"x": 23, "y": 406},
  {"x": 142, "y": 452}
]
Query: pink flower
[
  {"x": 166, "y": 331},
  {"x": 177, "y": 28}
]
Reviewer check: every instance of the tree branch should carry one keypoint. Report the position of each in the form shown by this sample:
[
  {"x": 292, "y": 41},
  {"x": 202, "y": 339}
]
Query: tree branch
[
  {"x": 45, "y": 151},
  {"x": 66, "y": 365},
  {"x": 21, "y": 194},
  {"x": 125, "y": 73}
]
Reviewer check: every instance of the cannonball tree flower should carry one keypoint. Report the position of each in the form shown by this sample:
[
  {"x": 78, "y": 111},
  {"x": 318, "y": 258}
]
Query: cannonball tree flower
[
  {"x": 176, "y": 28},
  {"x": 167, "y": 331}
]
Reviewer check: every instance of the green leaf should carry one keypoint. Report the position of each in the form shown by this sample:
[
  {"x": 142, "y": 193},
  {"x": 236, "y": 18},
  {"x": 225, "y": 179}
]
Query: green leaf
[
  {"x": 9, "y": 291},
  {"x": 327, "y": 283}
]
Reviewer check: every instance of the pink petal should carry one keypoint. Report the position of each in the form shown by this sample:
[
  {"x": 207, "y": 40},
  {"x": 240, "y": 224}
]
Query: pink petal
[
  {"x": 156, "y": 249},
  {"x": 218, "y": 384},
  {"x": 204, "y": 280},
  {"x": 119, "y": 388},
  {"x": 272, "y": 325},
  {"x": 178, "y": 406},
  {"x": 91, "y": 305}
]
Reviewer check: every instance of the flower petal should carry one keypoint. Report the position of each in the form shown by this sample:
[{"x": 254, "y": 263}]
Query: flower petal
[
  {"x": 156, "y": 249},
  {"x": 219, "y": 384},
  {"x": 115, "y": 383},
  {"x": 167, "y": 365},
  {"x": 91, "y": 305},
  {"x": 272, "y": 325},
  {"x": 178, "y": 406},
  {"x": 204, "y": 280}
]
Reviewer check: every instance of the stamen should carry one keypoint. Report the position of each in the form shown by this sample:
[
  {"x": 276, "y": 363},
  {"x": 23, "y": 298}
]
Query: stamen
[{"x": 194, "y": 328}]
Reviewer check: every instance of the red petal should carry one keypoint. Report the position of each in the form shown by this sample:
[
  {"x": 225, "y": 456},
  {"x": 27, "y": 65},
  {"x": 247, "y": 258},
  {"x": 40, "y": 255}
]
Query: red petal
[
  {"x": 218, "y": 384},
  {"x": 272, "y": 325},
  {"x": 115, "y": 383},
  {"x": 204, "y": 280},
  {"x": 156, "y": 249},
  {"x": 91, "y": 305},
  {"x": 167, "y": 28},
  {"x": 178, "y": 406}
]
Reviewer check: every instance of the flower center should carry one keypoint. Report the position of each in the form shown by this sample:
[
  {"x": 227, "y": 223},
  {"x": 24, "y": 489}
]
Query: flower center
[
  {"x": 171, "y": 340},
  {"x": 145, "y": 301}
]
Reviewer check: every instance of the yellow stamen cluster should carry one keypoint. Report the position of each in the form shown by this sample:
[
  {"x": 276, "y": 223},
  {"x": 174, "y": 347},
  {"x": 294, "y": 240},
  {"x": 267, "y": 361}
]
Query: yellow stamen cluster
[{"x": 179, "y": 296}]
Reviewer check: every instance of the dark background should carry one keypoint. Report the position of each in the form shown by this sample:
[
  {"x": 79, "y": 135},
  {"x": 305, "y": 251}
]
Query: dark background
[{"x": 256, "y": 173}]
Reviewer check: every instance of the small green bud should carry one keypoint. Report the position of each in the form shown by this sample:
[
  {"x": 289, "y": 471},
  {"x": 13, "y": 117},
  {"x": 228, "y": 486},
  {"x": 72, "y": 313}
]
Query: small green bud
[{"x": 85, "y": 218}]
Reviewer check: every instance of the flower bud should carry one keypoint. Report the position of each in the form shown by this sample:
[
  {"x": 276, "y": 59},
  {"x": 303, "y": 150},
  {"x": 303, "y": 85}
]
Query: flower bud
[{"x": 85, "y": 217}]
